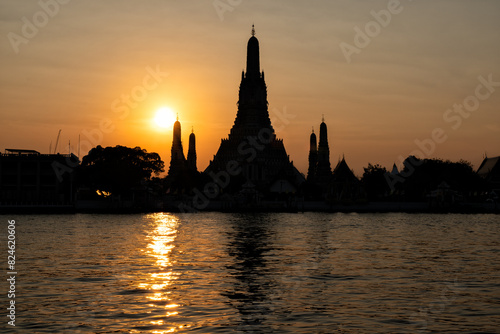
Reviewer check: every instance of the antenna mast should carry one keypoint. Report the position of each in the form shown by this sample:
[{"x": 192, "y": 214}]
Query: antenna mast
[{"x": 57, "y": 141}]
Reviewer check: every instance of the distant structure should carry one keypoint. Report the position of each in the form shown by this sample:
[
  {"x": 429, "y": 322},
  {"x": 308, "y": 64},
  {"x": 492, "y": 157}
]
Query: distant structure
[
  {"x": 313, "y": 158},
  {"x": 323, "y": 170},
  {"x": 182, "y": 173},
  {"x": 191, "y": 157},
  {"x": 489, "y": 170},
  {"x": 394, "y": 170},
  {"x": 319, "y": 173},
  {"x": 345, "y": 187},
  {"x": 30, "y": 179},
  {"x": 252, "y": 147},
  {"x": 339, "y": 186},
  {"x": 177, "y": 159}
]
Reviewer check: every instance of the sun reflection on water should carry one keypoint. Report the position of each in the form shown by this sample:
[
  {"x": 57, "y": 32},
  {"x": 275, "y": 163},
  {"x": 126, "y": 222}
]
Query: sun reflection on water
[{"x": 160, "y": 247}]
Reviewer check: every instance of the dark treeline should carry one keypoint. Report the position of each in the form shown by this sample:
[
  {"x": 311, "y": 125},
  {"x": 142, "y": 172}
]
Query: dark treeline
[
  {"x": 420, "y": 179},
  {"x": 119, "y": 173},
  {"x": 132, "y": 174}
]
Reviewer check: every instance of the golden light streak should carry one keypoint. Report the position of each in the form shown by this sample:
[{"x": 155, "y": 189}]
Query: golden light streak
[{"x": 160, "y": 247}]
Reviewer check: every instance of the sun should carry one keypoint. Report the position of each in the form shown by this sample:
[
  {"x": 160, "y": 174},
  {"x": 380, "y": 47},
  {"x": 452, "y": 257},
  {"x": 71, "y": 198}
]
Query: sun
[{"x": 164, "y": 117}]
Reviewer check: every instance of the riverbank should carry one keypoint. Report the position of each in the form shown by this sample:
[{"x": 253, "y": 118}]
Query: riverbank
[{"x": 276, "y": 206}]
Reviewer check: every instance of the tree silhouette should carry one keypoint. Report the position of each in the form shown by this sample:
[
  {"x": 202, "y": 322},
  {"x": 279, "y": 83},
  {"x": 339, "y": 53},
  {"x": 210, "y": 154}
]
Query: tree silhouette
[
  {"x": 423, "y": 176},
  {"x": 118, "y": 169},
  {"x": 374, "y": 182}
]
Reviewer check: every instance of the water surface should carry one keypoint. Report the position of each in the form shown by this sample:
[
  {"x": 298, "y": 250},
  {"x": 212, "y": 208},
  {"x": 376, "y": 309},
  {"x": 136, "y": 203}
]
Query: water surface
[{"x": 262, "y": 273}]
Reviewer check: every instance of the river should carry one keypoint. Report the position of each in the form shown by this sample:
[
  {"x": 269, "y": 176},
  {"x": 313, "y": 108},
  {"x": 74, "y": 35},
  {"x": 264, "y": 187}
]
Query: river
[{"x": 255, "y": 273}]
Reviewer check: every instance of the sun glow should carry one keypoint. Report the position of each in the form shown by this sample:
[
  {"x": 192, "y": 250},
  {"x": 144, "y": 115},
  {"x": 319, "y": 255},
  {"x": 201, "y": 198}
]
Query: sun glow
[{"x": 165, "y": 117}]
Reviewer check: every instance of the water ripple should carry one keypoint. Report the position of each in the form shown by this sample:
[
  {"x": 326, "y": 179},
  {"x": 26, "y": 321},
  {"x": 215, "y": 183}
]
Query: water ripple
[{"x": 259, "y": 273}]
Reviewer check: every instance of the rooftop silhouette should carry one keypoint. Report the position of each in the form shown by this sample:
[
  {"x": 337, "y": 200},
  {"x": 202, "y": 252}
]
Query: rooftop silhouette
[{"x": 252, "y": 145}]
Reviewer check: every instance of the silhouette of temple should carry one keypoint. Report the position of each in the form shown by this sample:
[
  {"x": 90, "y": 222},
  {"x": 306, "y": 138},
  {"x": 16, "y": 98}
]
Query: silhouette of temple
[
  {"x": 191, "y": 157},
  {"x": 341, "y": 185},
  {"x": 319, "y": 170},
  {"x": 182, "y": 172},
  {"x": 252, "y": 147},
  {"x": 344, "y": 186},
  {"x": 489, "y": 170},
  {"x": 177, "y": 159},
  {"x": 313, "y": 158}
]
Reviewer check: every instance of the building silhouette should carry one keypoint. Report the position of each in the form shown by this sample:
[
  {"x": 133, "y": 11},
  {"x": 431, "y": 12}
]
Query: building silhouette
[
  {"x": 191, "y": 157},
  {"x": 489, "y": 170},
  {"x": 313, "y": 158},
  {"x": 344, "y": 186},
  {"x": 252, "y": 147},
  {"x": 339, "y": 186},
  {"x": 182, "y": 173},
  {"x": 177, "y": 158},
  {"x": 319, "y": 173},
  {"x": 30, "y": 179},
  {"x": 323, "y": 170}
]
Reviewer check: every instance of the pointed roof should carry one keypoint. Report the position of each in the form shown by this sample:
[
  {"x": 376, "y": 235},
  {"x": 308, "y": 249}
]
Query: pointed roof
[
  {"x": 192, "y": 139},
  {"x": 490, "y": 170},
  {"x": 253, "y": 115},
  {"x": 395, "y": 170},
  {"x": 253, "y": 62},
  {"x": 177, "y": 130},
  {"x": 323, "y": 133},
  {"x": 312, "y": 139},
  {"x": 252, "y": 122},
  {"x": 487, "y": 166},
  {"x": 342, "y": 172}
]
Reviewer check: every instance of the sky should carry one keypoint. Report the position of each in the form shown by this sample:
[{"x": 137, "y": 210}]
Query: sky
[{"x": 391, "y": 78}]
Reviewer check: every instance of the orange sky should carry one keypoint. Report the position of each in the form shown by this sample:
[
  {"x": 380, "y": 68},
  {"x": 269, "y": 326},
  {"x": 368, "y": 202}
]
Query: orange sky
[{"x": 72, "y": 70}]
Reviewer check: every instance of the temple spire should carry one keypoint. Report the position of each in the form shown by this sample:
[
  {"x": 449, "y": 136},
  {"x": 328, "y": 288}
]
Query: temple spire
[
  {"x": 324, "y": 170},
  {"x": 191, "y": 156},
  {"x": 313, "y": 157},
  {"x": 271, "y": 161},
  {"x": 253, "y": 62},
  {"x": 177, "y": 158}
]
